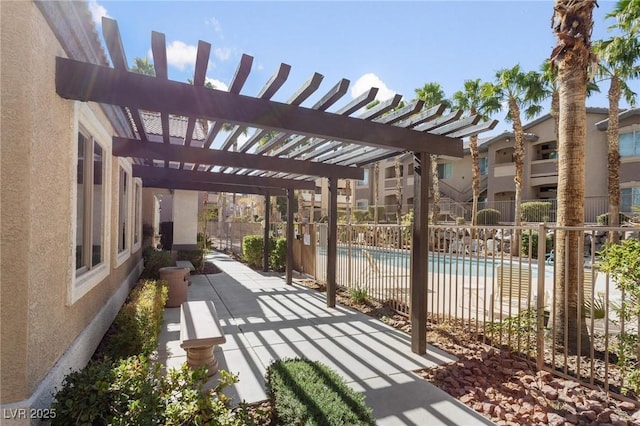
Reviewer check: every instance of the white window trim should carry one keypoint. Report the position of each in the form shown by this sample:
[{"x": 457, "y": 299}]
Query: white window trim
[
  {"x": 79, "y": 285},
  {"x": 120, "y": 258},
  {"x": 136, "y": 222}
]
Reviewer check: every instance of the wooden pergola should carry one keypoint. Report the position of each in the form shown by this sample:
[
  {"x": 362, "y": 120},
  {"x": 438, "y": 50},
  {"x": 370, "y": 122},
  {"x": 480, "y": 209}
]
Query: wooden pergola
[{"x": 297, "y": 144}]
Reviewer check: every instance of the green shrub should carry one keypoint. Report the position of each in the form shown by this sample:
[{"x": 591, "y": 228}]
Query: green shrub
[
  {"x": 194, "y": 256},
  {"x": 488, "y": 217},
  {"x": 622, "y": 262},
  {"x": 136, "y": 391},
  {"x": 252, "y": 250},
  {"x": 603, "y": 219},
  {"x": 304, "y": 392},
  {"x": 524, "y": 244},
  {"x": 535, "y": 211},
  {"x": 360, "y": 216},
  {"x": 381, "y": 213},
  {"x": 153, "y": 261},
  {"x": 358, "y": 295},
  {"x": 85, "y": 396},
  {"x": 137, "y": 326},
  {"x": 278, "y": 254},
  {"x": 460, "y": 221}
]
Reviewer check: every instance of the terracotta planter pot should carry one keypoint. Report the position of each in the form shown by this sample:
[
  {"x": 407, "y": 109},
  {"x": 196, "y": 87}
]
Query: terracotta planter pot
[{"x": 178, "y": 283}]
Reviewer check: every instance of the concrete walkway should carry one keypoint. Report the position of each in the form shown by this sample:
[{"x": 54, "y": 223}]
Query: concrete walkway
[{"x": 264, "y": 319}]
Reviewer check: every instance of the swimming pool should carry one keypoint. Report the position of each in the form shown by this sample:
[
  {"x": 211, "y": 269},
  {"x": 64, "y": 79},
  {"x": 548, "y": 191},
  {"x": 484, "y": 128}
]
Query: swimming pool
[{"x": 438, "y": 263}]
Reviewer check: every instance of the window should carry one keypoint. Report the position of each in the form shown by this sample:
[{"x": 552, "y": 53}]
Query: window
[
  {"x": 629, "y": 197},
  {"x": 123, "y": 209},
  {"x": 365, "y": 179},
  {"x": 124, "y": 212},
  {"x": 90, "y": 204},
  {"x": 362, "y": 204},
  {"x": 137, "y": 218},
  {"x": 629, "y": 144},
  {"x": 483, "y": 162},
  {"x": 444, "y": 171}
]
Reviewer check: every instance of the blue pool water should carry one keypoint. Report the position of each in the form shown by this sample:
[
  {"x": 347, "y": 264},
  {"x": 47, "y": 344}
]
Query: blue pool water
[{"x": 438, "y": 262}]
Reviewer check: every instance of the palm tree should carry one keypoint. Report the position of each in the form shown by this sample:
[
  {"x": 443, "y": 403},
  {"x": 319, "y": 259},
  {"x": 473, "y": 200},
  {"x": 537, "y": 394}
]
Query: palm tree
[
  {"x": 432, "y": 94},
  {"x": 376, "y": 183},
  {"x": 550, "y": 86},
  {"x": 572, "y": 25},
  {"x": 143, "y": 66},
  {"x": 619, "y": 61},
  {"x": 398, "y": 170},
  {"x": 520, "y": 91},
  {"x": 476, "y": 98}
]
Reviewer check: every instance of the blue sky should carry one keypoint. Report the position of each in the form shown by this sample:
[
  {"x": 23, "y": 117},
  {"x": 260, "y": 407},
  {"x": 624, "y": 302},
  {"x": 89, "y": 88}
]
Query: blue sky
[{"x": 396, "y": 46}]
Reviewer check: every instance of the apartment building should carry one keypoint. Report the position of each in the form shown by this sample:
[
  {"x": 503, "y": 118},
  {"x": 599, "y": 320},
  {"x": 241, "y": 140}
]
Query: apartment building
[{"x": 497, "y": 169}]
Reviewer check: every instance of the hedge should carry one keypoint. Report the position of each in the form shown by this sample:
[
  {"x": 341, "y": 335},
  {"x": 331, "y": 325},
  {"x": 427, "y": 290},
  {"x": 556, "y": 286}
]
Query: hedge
[
  {"x": 304, "y": 392},
  {"x": 488, "y": 217}
]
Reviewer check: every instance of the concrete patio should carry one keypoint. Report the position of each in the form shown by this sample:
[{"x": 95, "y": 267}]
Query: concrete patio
[{"x": 264, "y": 319}]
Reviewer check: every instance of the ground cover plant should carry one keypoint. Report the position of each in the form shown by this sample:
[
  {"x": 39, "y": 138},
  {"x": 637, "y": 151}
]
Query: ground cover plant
[{"x": 304, "y": 392}]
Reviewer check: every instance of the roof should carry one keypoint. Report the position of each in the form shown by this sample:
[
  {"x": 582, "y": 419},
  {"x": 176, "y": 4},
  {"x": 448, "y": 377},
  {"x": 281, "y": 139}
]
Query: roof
[
  {"x": 291, "y": 145},
  {"x": 604, "y": 124}
]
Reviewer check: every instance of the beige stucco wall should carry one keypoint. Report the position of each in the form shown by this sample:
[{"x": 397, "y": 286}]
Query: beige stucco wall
[{"x": 38, "y": 177}]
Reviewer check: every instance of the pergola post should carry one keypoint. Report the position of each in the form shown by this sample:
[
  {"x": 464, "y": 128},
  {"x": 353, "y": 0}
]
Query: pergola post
[
  {"x": 290, "y": 207},
  {"x": 332, "y": 240},
  {"x": 420, "y": 253},
  {"x": 265, "y": 238}
]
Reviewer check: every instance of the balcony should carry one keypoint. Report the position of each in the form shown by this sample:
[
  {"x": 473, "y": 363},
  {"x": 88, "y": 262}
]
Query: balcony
[{"x": 504, "y": 170}]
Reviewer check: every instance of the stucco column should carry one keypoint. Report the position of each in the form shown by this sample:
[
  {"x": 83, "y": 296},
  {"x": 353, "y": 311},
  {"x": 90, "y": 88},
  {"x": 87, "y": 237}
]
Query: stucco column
[{"x": 185, "y": 220}]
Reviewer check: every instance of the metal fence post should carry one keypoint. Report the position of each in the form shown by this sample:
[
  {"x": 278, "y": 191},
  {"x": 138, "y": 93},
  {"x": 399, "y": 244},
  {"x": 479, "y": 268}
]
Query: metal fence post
[{"x": 542, "y": 252}]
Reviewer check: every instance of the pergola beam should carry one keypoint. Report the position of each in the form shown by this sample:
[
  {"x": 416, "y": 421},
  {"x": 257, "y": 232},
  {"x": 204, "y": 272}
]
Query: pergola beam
[
  {"x": 179, "y": 175},
  {"x": 123, "y": 147},
  {"x": 88, "y": 82},
  {"x": 211, "y": 187}
]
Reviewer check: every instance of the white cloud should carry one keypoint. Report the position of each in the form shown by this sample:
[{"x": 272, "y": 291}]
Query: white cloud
[
  {"x": 222, "y": 53},
  {"x": 217, "y": 84},
  {"x": 181, "y": 55},
  {"x": 97, "y": 12},
  {"x": 216, "y": 26},
  {"x": 366, "y": 82}
]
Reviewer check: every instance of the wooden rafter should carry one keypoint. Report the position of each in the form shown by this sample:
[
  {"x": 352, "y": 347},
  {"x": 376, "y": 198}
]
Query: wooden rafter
[
  {"x": 185, "y": 176},
  {"x": 152, "y": 150}
]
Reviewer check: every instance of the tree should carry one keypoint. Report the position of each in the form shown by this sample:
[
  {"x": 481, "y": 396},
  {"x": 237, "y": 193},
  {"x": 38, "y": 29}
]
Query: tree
[
  {"x": 521, "y": 91},
  {"x": 143, "y": 66},
  {"x": 550, "y": 86},
  {"x": 398, "y": 170},
  {"x": 432, "y": 94},
  {"x": 619, "y": 61},
  {"x": 376, "y": 191},
  {"x": 572, "y": 26},
  {"x": 476, "y": 98}
]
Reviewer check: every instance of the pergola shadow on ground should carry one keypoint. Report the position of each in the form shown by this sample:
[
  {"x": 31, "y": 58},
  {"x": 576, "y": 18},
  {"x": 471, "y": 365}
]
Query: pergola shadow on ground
[
  {"x": 264, "y": 319},
  {"x": 290, "y": 147}
]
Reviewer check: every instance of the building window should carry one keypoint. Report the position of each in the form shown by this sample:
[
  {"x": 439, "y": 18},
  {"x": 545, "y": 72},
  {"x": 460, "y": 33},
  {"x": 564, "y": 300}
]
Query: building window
[
  {"x": 365, "y": 179},
  {"x": 125, "y": 212},
  {"x": 444, "y": 171},
  {"x": 629, "y": 144},
  {"x": 137, "y": 217},
  {"x": 90, "y": 204},
  {"x": 123, "y": 209},
  {"x": 362, "y": 204},
  {"x": 629, "y": 198},
  {"x": 483, "y": 162}
]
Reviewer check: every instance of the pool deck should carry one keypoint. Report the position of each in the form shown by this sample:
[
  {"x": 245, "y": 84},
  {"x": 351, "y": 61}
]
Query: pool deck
[{"x": 264, "y": 319}]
